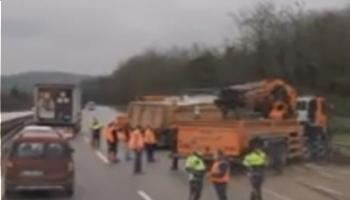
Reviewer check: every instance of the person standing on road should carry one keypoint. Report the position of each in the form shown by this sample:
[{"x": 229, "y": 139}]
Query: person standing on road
[
  {"x": 150, "y": 143},
  {"x": 123, "y": 138},
  {"x": 219, "y": 175},
  {"x": 112, "y": 141},
  {"x": 136, "y": 144},
  {"x": 256, "y": 161},
  {"x": 196, "y": 168},
  {"x": 96, "y": 128}
]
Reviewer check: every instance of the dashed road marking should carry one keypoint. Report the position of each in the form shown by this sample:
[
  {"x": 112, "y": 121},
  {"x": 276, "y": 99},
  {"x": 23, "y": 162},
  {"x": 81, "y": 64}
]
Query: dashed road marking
[
  {"x": 101, "y": 156},
  {"x": 97, "y": 152},
  {"x": 144, "y": 195},
  {"x": 277, "y": 195}
]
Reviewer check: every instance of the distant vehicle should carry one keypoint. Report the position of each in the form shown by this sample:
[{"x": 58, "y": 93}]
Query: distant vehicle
[
  {"x": 90, "y": 105},
  {"x": 39, "y": 159},
  {"x": 58, "y": 105}
]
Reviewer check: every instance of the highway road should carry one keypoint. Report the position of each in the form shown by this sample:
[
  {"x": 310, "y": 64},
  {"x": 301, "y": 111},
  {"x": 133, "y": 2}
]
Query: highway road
[{"x": 96, "y": 179}]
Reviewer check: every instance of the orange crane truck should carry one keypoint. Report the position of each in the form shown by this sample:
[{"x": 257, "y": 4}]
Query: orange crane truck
[{"x": 264, "y": 109}]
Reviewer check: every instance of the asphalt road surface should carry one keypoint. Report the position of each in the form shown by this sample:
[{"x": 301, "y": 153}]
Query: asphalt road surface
[{"x": 98, "y": 179}]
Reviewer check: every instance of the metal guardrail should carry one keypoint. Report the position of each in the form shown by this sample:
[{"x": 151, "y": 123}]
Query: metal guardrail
[{"x": 10, "y": 127}]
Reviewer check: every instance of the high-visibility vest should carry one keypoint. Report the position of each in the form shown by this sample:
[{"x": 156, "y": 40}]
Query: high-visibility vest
[
  {"x": 136, "y": 141},
  {"x": 108, "y": 133},
  {"x": 194, "y": 162},
  {"x": 121, "y": 135},
  {"x": 150, "y": 137},
  {"x": 255, "y": 159},
  {"x": 215, "y": 170},
  {"x": 96, "y": 126}
]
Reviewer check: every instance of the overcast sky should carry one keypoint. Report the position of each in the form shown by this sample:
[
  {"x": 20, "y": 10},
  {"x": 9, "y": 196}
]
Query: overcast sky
[{"x": 93, "y": 36}]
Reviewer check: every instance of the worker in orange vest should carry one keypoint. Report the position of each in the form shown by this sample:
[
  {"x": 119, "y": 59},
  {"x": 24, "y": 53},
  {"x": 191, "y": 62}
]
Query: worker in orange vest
[
  {"x": 136, "y": 144},
  {"x": 219, "y": 175},
  {"x": 110, "y": 133},
  {"x": 150, "y": 143}
]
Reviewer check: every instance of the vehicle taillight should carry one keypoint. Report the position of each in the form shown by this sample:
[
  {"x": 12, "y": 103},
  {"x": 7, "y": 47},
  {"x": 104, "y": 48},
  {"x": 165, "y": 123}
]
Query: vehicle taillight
[{"x": 70, "y": 167}]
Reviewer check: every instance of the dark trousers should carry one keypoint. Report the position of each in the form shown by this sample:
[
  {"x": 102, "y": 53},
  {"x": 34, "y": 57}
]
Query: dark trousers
[
  {"x": 150, "y": 152},
  {"x": 221, "y": 190},
  {"x": 96, "y": 139},
  {"x": 138, "y": 161},
  {"x": 256, "y": 181},
  {"x": 112, "y": 150},
  {"x": 196, "y": 189}
]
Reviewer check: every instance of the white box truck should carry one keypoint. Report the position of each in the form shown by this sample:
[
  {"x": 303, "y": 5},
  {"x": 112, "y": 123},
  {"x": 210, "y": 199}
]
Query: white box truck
[{"x": 59, "y": 106}]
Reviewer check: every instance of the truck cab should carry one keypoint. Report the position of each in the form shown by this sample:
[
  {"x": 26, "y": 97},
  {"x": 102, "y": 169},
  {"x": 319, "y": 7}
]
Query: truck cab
[{"x": 311, "y": 110}]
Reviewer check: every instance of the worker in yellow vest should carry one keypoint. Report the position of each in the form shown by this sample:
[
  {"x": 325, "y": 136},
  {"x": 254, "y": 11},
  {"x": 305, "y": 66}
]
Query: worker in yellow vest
[
  {"x": 136, "y": 144},
  {"x": 195, "y": 166},
  {"x": 219, "y": 175},
  {"x": 95, "y": 128},
  {"x": 256, "y": 161},
  {"x": 150, "y": 143}
]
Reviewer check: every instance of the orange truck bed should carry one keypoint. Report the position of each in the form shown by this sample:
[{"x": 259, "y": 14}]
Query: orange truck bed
[{"x": 232, "y": 136}]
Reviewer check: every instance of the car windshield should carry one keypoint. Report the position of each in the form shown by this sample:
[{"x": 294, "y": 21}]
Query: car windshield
[{"x": 39, "y": 150}]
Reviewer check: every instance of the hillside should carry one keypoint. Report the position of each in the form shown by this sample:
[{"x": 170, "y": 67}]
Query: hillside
[{"x": 26, "y": 81}]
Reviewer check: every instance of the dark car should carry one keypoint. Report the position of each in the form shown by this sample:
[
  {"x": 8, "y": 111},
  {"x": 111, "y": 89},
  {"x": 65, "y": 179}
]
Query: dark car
[{"x": 40, "y": 159}]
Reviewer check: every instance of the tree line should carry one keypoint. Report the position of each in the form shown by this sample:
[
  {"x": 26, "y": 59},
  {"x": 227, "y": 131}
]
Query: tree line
[
  {"x": 15, "y": 99},
  {"x": 311, "y": 49}
]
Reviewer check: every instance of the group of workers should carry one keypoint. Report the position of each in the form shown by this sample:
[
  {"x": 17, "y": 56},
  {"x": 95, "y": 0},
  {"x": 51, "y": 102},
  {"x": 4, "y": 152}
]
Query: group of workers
[
  {"x": 138, "y": 139},
  {"x": 219, "y": 172},
  {"x": 130, "y": 139}
]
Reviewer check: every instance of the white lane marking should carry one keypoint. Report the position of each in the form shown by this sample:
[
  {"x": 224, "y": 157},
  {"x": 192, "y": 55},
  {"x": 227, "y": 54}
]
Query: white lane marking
[
  {"x": 97, "y": 152},
  {"x": 144, "y": 195},
  {"x": 102, "y": 157},
  {"x": 277, "y": 195}
]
